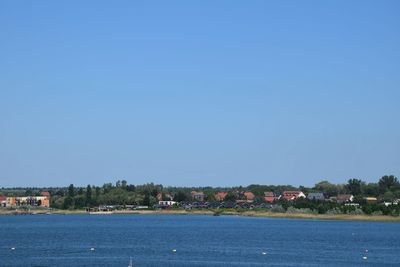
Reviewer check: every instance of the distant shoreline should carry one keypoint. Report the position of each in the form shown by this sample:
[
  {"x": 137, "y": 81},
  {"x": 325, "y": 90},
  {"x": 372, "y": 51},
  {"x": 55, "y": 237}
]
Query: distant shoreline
[{"x": 261, "y": 214}]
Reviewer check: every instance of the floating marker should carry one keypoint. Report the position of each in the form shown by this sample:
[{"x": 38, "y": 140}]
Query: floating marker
[
  {"x": 174, "y": 250},
  {"x": 264, "y": 253},
  {"x": 365, "y": 257},
  {"x": 366, "y": 250},
  {"x": 91, "y": 249},
  {"x": 12, "y": 248}
]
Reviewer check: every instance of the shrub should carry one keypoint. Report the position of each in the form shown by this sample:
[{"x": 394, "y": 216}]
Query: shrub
[
  {"x": 334, "y": 211},
  {"x": 356, "y": 211},
  {"x": 278, "y": 209},
  {"x": 303, "y": 211}
]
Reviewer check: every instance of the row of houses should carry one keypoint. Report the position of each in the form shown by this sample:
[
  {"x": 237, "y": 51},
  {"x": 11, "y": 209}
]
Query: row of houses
[
  {"x": 269, "y": 197},
  {"x": 41, "y": 201},
  {"x": 317, "y": 196},
  {"x": 241, "y": 196},
  {"x": 247, "y": 196}
]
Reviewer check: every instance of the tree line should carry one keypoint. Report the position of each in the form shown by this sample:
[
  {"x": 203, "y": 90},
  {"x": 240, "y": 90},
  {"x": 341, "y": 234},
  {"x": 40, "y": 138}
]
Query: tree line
[{"x": 387, "y": 188}]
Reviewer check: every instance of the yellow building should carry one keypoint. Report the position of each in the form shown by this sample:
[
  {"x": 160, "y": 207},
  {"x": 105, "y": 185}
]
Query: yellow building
[{"x": 371, "y": 199}]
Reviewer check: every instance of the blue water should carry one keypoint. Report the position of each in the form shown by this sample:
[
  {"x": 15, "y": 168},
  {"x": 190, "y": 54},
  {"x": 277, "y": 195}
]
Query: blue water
[{"x": 65, "y": 240}]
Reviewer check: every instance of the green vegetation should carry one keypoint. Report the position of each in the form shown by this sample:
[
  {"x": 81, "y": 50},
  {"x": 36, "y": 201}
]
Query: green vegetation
[{"x": 387, "y": 189}]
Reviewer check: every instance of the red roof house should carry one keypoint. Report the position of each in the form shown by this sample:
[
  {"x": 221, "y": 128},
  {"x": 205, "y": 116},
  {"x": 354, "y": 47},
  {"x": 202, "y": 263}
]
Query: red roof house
[
  {"x": 249, "y": 195},
  {"x": 220, "y": 196},
  {"x": 270, "y": 197},
  {"x": 292, "y": 195},
  {"x": 342, "y": 198}
]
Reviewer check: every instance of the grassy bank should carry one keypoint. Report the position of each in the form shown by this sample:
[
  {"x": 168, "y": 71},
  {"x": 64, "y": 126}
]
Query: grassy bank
[
  {"x": 266, "y": 214},
  {"x": 347, "y": 217},
  {"x": 377, "y": 218}
]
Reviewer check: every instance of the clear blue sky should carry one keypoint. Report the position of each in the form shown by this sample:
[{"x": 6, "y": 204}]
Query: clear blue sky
[{"x": 198, "y": 92}]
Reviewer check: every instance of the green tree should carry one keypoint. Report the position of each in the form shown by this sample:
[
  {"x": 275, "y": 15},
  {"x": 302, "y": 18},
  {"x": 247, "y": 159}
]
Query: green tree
[
  {"x": 146, "y": 200},
  {"x": 107, "y": 187},
  {"x": 230, "y": 197},
  {"x": 180, "y": 196},
  {"x": 79, "y": 201},
  {"x": 97, "y": 191},
  {"x": 123, "y": 184},
  {"x": 71, "y": 190},
  {"x": 354, "y": 186},
  {"x": 259, "y": 199},
  {"x": 387, "y": 182},
  {"x": 388, "y": 196},
  {"x": 68, "y": 203},
  {"x": 29, "y": 192},
  {"x": 371, "y": 189},
  {"x": 322, "y": 209},
  {"x": 210, "y": 196},
  {"x": 328, "y": 189},
  {"x": 88, "y": 195},
  {"x": 360, "y": 200},
  {"x": 130, "y": 188}
]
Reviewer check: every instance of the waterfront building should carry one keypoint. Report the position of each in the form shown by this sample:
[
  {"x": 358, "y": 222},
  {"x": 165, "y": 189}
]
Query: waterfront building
[
  {"x": 220, "y": 196},
  {"x": 271, "y": 196},
  {"x": 249, "y": 196},
  {"x": 316, "y": 196},
  {"x": 199, "y": 196},
  {"x": 293, "y": 195},
  {"x": 371, "y": 200},
  {"x": 166, "y": 202},
  {"x": 3, "y": 201},
  {"x": 40, "y": 201},
  {"x": 344, "y": 198}
]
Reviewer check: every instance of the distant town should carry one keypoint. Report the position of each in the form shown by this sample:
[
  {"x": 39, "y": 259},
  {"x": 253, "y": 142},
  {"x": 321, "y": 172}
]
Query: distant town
[{"x": 354, "y": 197}]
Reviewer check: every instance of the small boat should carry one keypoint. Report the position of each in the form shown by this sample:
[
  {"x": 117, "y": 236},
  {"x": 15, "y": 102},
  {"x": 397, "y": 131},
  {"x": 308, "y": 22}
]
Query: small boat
[{"x": 130, "y": 263}]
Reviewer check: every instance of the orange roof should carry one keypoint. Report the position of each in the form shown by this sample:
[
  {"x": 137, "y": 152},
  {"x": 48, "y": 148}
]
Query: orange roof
[
  {"x": 220, "y": 195},
  {"x": 291, "y": 192},
  {"x": 249, "y": 195},
  {"x": 269, "y": 198}
]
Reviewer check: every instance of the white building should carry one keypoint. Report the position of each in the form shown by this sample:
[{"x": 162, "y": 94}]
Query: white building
[{"x": 166, "y": 202}]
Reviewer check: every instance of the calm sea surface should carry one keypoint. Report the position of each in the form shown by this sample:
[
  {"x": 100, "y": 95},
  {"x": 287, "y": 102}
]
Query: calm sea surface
[{"x": 66, "y": 240}]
